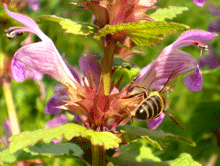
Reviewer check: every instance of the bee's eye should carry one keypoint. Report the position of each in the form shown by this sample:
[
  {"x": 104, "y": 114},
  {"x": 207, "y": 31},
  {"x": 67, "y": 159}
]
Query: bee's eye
[{"x": 141, "y": 113}]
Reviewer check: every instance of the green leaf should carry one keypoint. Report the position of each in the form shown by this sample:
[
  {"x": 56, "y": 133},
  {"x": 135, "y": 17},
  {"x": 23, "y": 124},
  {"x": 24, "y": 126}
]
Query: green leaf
[
  {"x": 133, "y": 132},
  {"x": 167, "y": 13},
  {"x": 143, "y": 34},
  {"x": 74, "y": 27},
  {"x": 43, "y": 151},
  {"x": 183, "y": 160},
  {"x": 6, "y": 157},
  {"x": 138, "y": 154},
  {"x": 68, "y": 131},
  {"x": 57, "y": 149}
]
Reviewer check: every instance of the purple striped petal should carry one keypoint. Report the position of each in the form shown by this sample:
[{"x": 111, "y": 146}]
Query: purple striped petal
[
  {"x": 90, "y": 64},
  {"x": 44, "y": 58},
  {"x": 199, "y": 2},
  {"x": 154, "y": 123},
  {"x": 177, "y": 60}
]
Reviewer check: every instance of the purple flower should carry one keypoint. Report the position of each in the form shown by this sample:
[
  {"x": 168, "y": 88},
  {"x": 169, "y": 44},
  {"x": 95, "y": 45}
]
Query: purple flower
[
  {"x": 33, "y": 4},
  {"x": 7, "y": 127},
  {"x": 212, "y": 60},
  {"x": 214, "y": 26},
  {"x": 42, "y": 57},
  {"x": 199, "y": 2},
  {"x": 172, "y": 59}
]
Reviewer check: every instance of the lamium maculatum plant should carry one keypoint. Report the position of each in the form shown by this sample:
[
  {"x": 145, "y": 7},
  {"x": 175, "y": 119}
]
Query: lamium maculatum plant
[{"x": 93, "y": 107}]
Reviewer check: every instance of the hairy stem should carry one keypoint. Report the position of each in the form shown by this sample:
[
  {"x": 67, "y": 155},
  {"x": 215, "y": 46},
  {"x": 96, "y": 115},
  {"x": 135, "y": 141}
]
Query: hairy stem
[
  {"x": 11, "y": 108},
  {"x": 98, "y": 156}
]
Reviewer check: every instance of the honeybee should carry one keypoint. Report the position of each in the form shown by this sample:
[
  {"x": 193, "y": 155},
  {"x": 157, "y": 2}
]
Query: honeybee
[{"x": 155, "y": 103}]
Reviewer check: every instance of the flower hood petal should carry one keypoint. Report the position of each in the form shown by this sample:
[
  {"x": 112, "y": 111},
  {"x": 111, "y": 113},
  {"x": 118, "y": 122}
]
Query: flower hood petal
[
  {"x": 28, "y": 22},
  {"x": 190, "y": 38},
  {"x": 177, "y": 60}
]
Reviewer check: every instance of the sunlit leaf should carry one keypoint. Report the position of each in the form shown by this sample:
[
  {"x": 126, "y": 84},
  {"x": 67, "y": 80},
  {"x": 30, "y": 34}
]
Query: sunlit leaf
[
  {"x": 74, "y": 27},
  {"x": 143, "y": 34},
  {"x": 106, "y": 139},
  {"x": 183, "y": 160},
  {"x": 167, "y": 13},
  {"x": 136, "y": 153},
  {"x": 157, "y": 135}
]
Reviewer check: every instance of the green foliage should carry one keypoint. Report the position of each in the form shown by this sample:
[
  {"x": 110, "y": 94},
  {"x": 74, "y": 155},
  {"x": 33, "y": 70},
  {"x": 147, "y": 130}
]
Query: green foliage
[
  {"x": 167, "y": 13},
  {"x": 73, "y": 27},
  {"x": 144, "y": 33},
  {"x": 184, "y": 159},
  {"x": 138, "y": 153},
  {"x": 156, "y": 138},
  {"x": 41, "y": 150},
  {"x": 68, "y": 131}
]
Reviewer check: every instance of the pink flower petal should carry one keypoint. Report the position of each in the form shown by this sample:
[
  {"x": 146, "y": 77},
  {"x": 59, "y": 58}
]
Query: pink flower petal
[
  {"x": 199, "y": 2},
  {"x": 19, "y": 71},
  {"x": 154, "y": 123},
  {"x": 194, "y": 81},
  {"x": 28, "y": 22},
  {"x": 90, "y": 64}
]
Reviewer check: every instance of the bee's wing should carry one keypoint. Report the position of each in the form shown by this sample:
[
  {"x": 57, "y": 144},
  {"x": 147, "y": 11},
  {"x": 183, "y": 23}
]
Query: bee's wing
[
  {"x": 171, "y": 82},
  {"x": 176, "y": 119}
]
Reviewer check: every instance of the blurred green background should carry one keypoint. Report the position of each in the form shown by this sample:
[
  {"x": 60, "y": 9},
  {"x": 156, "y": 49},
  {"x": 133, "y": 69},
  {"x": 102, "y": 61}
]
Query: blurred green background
[{"x": 199, "y": 111}]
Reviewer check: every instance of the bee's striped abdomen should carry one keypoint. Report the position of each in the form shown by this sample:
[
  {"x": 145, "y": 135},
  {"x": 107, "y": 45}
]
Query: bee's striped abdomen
[{"x": 151, "y": 107}]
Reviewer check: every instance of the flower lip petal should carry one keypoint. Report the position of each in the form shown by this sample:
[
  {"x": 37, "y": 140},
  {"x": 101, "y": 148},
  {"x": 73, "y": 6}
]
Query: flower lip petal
[
  {"x": 199, "y": 2},
  {"x": 19, "y": 71},
  {"x": 194, "y": 81}
]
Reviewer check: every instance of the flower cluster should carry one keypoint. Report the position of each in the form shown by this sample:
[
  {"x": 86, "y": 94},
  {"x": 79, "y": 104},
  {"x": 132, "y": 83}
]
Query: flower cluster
[{"x": 84, "y": 96}]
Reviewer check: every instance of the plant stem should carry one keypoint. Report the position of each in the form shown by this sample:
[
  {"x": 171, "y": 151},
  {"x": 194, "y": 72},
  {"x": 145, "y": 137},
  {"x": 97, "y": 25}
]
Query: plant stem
[
  {"x": 98, "y": 156},
  {"x": 109, "y": 50},
  {"x": 11, "y": 108}
]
